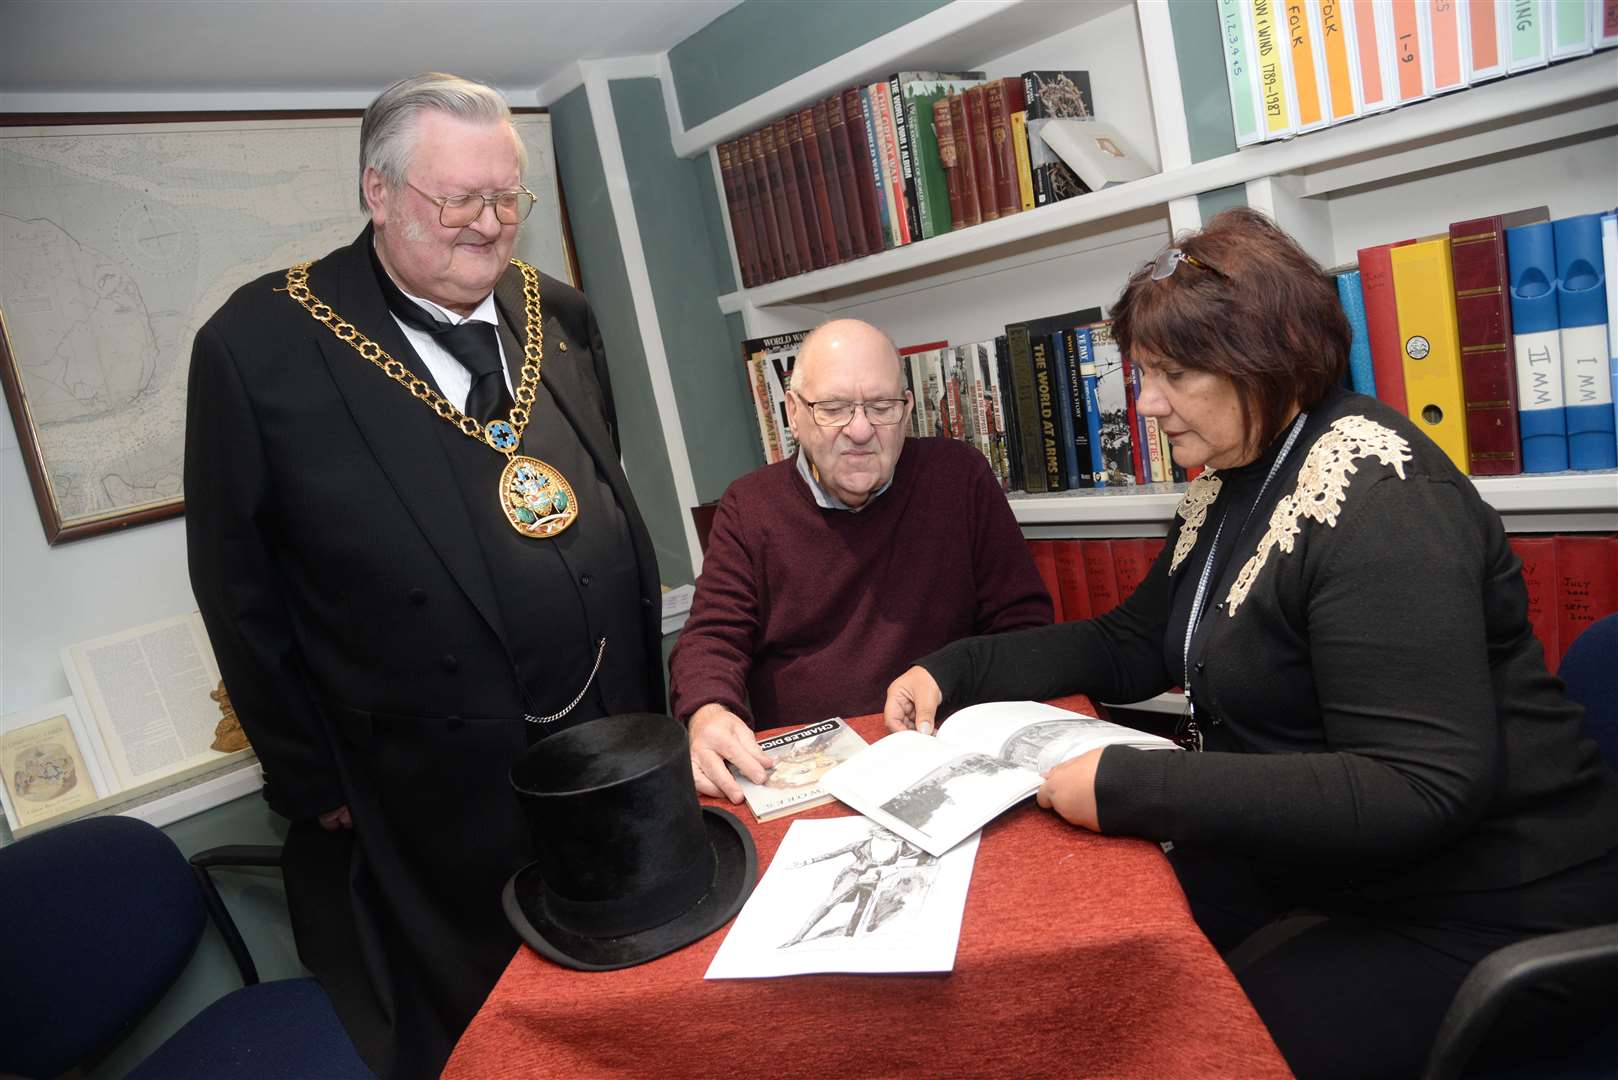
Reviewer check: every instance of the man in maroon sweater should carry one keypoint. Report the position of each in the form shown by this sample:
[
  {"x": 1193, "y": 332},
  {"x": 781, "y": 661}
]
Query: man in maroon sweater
[{"x": 828, "y": 574}]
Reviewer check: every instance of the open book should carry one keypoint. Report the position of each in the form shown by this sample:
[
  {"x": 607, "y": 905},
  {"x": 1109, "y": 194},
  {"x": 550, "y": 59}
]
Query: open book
[
  {"x": 935, "y": 791},
  {"x": 802, "y": 757}
]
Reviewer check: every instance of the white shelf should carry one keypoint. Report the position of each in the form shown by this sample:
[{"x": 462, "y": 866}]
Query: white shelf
[
  {"x": 1542, "y": 502},
  {"x": 956, "y": 37},
  {"x": 1568, "y": 100}
]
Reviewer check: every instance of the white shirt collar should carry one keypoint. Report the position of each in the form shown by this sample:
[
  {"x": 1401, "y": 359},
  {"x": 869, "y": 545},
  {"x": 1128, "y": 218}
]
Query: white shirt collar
[{"x": 484, "y": 312}]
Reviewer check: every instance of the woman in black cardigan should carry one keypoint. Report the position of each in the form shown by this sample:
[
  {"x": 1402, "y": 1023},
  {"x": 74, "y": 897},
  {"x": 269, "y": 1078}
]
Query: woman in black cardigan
[{"x": 1374, "y": 734}]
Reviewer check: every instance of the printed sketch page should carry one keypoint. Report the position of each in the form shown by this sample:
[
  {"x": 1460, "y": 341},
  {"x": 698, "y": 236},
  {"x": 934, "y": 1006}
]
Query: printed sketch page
[
  {"x": 845, "y": 895},
  {"x": 802, "y": 757},
  {"x": 930, "y": 791},
  {"x": 47, "y": 769},
  {"x": 1036, "y": 736},
  {"x": 147, "y": 691}
]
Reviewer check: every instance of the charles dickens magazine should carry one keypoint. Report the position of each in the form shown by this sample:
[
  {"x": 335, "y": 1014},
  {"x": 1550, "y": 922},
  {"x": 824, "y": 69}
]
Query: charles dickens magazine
[
  {"x": 802, "y": 757},
  {"x": 937, "y": 790}
]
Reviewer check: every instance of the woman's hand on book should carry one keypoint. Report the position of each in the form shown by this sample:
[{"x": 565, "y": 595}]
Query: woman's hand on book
[
  {"x": 1070, "y": 790},
  {"x": 717, "y": 736},
  {"x": 913, "y": 700}
]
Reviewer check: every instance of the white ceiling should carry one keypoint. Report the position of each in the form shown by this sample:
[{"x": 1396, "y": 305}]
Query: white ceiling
[{"x": 235, "y": 46}]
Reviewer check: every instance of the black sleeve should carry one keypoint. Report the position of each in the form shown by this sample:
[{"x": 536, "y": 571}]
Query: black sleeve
[
  {"x": 238, "y": 588},
  {"x": 1400, "y": 663}
]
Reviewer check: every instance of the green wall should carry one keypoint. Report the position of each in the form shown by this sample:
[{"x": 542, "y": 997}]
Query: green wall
[
  {"x": 760, "y": 44},
  {"x": 606, "y": 282}
]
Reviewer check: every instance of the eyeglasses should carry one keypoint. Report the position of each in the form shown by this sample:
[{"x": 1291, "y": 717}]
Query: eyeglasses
[
  {"x": 1169, "y": 261},
  {"x": 459, "y": 211},
  {"x": 879, "y": 411}
]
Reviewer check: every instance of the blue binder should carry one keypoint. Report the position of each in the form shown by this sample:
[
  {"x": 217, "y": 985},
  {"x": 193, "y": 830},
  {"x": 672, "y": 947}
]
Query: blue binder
[
  {"x": 1352, "y": 298},
  {"x": 1581, "y": 305},
  {"x": 1536, "y": 341}
]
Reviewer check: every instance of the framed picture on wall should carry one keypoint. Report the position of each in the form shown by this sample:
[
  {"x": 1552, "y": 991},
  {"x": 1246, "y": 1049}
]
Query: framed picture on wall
[{"x": 121, "y": 234}]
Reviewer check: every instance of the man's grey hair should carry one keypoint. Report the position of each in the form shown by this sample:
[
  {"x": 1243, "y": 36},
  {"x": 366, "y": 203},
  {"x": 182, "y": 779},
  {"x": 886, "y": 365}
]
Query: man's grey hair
[{"x": 388, "y": 132}]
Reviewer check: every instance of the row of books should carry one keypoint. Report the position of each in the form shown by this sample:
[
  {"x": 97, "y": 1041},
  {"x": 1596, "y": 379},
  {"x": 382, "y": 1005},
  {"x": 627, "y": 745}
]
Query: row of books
[
  {"x": 1050, "y": 403},
  {"x": 1088, "y": 578},
  {"x": 873, "y": 167},
  {"x": 1572, "y": 581},
  {"x": 1297, "y": 66},
  {"x": 1494, "y": 338}
]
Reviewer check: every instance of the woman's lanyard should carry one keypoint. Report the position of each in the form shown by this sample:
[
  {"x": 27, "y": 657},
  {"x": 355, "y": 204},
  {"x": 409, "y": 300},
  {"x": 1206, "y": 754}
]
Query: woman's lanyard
[{"x": 1190, "y": 734}]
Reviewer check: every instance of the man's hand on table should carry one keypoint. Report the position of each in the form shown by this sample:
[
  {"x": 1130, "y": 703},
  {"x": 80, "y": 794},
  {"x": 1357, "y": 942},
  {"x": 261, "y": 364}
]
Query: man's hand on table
[
  {"x": 1070, "y": 790},
  {"x": 913, "y": 700},
  {"x": 717, "y": 736}
]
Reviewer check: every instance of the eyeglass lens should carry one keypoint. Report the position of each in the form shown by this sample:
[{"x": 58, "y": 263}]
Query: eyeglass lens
[
  {"x": 880, "y": 411},
  {"x": 510, "y": 208},
  {"x": 1166, "y": 263}
]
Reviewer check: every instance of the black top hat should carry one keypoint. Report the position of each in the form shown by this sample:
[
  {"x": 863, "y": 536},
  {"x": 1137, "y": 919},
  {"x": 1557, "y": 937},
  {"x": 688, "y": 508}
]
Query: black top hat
[{"x": 630, "y": 865}]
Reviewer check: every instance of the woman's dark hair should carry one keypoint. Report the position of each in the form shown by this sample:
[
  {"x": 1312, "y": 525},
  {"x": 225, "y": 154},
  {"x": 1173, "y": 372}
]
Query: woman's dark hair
[{"x": 1257, "y": 310}]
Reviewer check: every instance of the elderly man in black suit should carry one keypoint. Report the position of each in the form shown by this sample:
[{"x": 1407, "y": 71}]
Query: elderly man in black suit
[{"x": 416, "y": 554}]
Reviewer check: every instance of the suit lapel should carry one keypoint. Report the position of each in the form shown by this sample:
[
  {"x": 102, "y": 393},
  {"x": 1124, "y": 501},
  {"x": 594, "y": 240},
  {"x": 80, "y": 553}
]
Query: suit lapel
[{"x": 396, "y": 426}]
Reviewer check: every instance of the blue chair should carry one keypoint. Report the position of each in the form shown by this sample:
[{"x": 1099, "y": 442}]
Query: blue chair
[
  {"x": 99, "y": 917},
  {"x": 1590, "y": 673}
]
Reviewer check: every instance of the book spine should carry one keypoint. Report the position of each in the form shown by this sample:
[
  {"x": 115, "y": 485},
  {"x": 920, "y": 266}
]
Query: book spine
[
  {"x": 875, "y": 165},
  {"x": 928, "y": 183},
  {"x": 1008, "y": 400},
  {"x": 1337, "y": 50},
  {"x": 1360, "y": 372},
  {"x": 1587, "y": 584},
  {"x": 977, "y": 118},
  {"x": 778, "y": 199},
  {"x": 1571, "y": 28},
  {"x": 1139, "y": 454},
  {"x": 1375, "y": 93},
  {"x": 795, "y": 176},
  {"x": 1101, "y": 574},
  {"x": 892, "y": 182},
  {"x": 1609, "y": 264},
  {"x": 1442, "y": 22},
  {"x": 1581, "y": 308},
  {"x": 971, "y": 206},
  {"x": 1044, "y": 555},
  {"x": 1112, "y": 400},
  {"x": 995, "y": 406},
  {"x": 854, "y": 167},
  {"x": 1424, "y": 286},
  {"x": 1092, "y": 404},
  {"x": 1002, "y": 155},
  {"x": 1050, "y": 444},
  {"x": 1305, "y": 71},
  {"x": 1409, "y": 81},
  {"x": 1607, "y": 32},
  {"x": 1382, "y": 324},
  {"x": 1537, "y": 347},
  {"x": 1483, "y": 315},
  {"x": 950, "y": 169},
  {"x": 1083, "y": 472},
  {"x": 1538, "y": 557},
  {"x": 1486, "y": 32},
  {"x": 1026, "y": 401},
  {"x": 1244, "y": 108},
  {"x": 906, "y": 147},
  {"x": 1061, "y": 398},
  {"x": 1070, "y": 581},
  {"x": 1025, "y": 173},
  {"x": 761, "y": 407},
  {"x": 1129, "y": 565},
  {"x": 844, "y": 216},
  {"x": 820, "y": 189},
  {"x": 741, "y": 225},
  {"x": 863, "y": 156},
  {"x": 1528, "y": 44},
  {"x": 1268, "y": 46},
  {"x": 766, "y": 224}
]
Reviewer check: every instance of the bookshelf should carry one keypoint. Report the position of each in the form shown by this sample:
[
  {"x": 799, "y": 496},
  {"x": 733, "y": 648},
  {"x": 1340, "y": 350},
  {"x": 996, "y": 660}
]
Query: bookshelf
[{"x": 1546, "y": 136}]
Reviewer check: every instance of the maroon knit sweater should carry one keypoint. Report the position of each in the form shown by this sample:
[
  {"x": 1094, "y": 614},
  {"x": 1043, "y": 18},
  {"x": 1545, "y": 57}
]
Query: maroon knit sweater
[{"x": 803, "y": 613}]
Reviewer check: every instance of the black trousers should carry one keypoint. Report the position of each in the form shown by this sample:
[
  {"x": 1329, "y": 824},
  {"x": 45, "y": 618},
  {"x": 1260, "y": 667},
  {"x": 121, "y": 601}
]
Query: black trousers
[{"x": 1359, "y": 991}]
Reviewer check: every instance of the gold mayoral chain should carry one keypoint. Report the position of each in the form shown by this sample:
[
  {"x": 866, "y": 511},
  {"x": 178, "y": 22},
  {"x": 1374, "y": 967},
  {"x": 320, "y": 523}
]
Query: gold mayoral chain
[{"x": 536, "y": 498}]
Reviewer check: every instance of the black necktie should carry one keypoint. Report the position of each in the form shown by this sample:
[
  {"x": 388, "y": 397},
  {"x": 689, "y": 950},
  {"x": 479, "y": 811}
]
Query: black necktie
[{"x": 475, "y": 344}]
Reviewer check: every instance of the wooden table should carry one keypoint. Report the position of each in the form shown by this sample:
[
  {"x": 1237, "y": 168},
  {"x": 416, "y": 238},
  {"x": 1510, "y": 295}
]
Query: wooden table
[{"x": 1078, "y": 957}]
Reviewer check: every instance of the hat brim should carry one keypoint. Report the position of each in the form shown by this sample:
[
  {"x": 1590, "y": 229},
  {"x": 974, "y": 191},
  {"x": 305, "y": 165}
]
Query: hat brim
[{"x": 735, "y": 873}]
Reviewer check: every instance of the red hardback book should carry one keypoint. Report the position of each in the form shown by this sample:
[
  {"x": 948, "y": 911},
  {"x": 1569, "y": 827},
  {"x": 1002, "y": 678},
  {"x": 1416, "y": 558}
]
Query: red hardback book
[
  {"x": 1044, "y": 553},
  {"x": 792, "y": 256},
  {"x": 1130, "y": 564},
  {"x": 860, "y": 155},
  {"x": 1101, "y": 574},
  {"x": 1137, "y": 459},
  {"x": 1001, "y": 98},
  {"x": 944, "y": 133},
  {"x": 1587, "y": 584},
  {"x": 819, "y": 191},
  {"x": 844, "y": 214},
  {"x": 977, "y": 128},
  {"x": 1382, "y": 323},
  {"x": 741, "y": 224},
  {"x": 1070, "y": 580},
  {"x": 764, "y": 227},
  {"x": 961, "y": 131},
  {"x": 1483, "y": 311},
  {"x": 1154, "y": 548},
  {"x": 787, "y": 198},
  {"x": 1538, "y": 556},
  {"x": 800, "y": 192}
]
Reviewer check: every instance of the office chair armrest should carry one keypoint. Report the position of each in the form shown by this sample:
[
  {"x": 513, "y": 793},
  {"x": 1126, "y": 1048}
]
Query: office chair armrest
[
  {"x": 228, "y": 857},
  {"x": 1497, "y": 976}
]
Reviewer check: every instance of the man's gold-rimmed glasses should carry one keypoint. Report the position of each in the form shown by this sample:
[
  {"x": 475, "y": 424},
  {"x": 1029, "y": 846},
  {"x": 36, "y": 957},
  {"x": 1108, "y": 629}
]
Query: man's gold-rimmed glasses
[{"x": 459, "y": 211}]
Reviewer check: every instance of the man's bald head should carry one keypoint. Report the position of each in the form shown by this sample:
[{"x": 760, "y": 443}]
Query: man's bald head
[{"x": 843, "y": 339}]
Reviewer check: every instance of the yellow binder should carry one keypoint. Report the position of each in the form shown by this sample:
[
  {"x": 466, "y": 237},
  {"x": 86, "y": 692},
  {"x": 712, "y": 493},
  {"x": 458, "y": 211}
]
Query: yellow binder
[{"x": 1430, "y": 343}]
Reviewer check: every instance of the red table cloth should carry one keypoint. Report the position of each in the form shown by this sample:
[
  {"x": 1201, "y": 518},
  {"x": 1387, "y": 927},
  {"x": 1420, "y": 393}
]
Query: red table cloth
[{"x": 1078, "y": 957}]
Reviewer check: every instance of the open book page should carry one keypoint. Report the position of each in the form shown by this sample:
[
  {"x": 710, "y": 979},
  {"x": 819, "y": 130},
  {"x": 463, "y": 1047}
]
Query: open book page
[
  {"x": 145, "y": 692},
  {"x": 843, "y": 894},
  {"x": 936, "y": 791},
  {"x": 802, "y": 757},
  {"x": 47, "y": 770}
]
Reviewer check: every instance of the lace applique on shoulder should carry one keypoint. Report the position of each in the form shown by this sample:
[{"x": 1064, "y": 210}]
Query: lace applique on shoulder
[
  {"x": 1193, "y": 510},
  {"x": 1322, "y": 484}
]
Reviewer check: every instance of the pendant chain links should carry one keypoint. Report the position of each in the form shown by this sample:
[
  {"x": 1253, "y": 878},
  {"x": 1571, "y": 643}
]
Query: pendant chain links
[{"x": 420, "y": 389}]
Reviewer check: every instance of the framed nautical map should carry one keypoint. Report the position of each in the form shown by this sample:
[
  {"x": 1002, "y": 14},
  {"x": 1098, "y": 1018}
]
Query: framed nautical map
[{"x": 119, "y": 239}]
